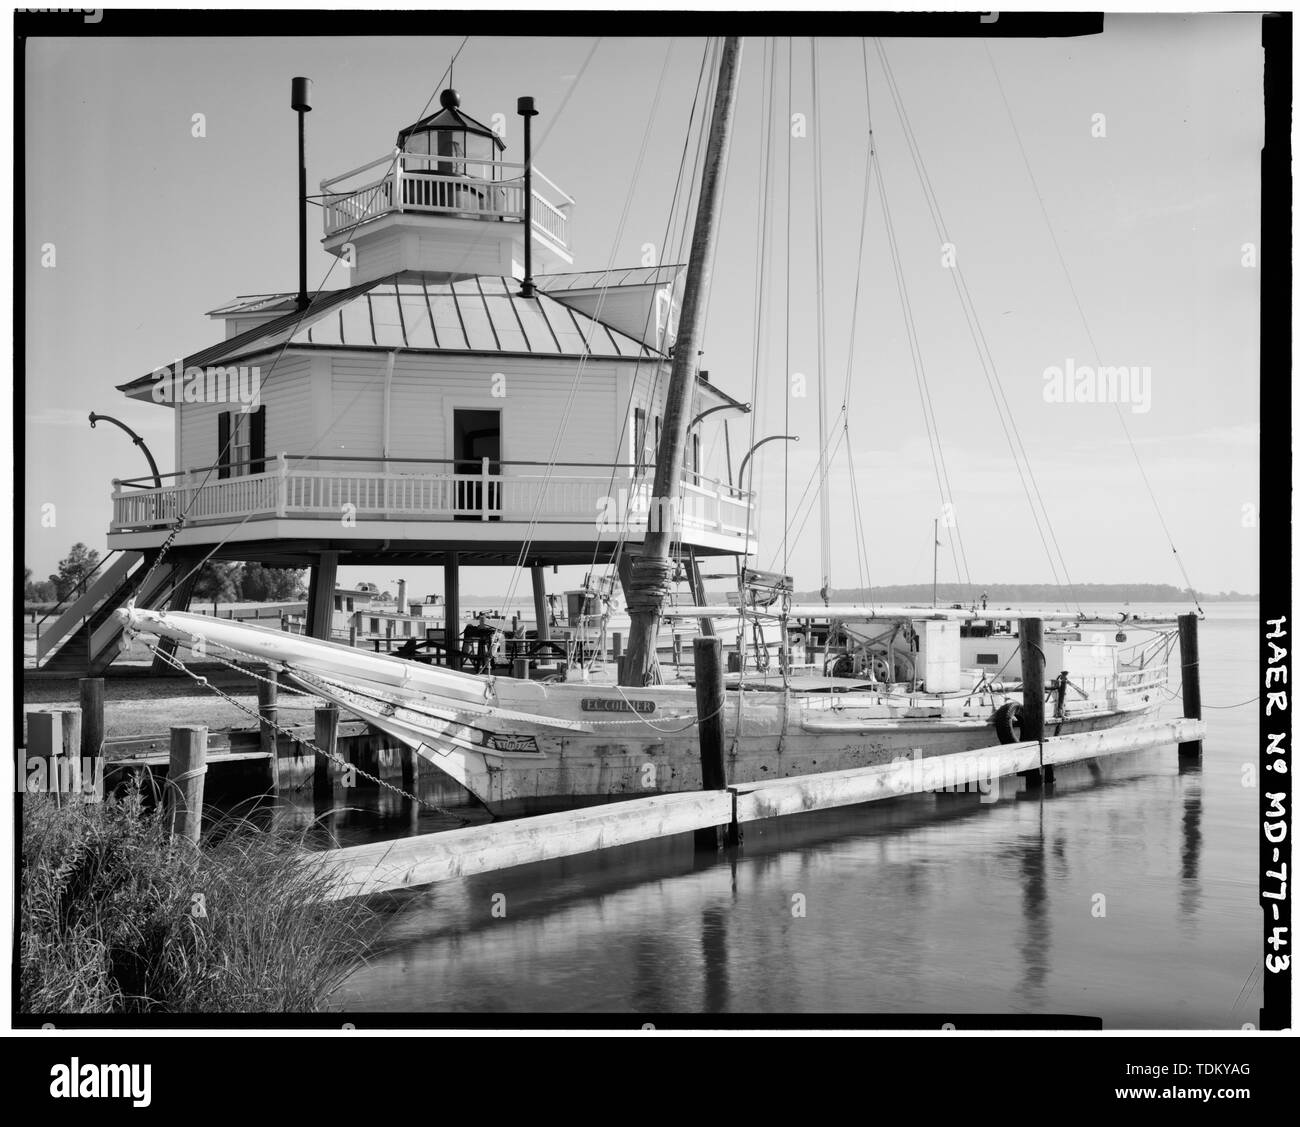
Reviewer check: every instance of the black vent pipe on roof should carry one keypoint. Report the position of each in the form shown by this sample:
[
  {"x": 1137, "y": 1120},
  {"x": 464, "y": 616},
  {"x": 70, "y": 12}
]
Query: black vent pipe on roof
[
  {"x": 527, "y": 110},
  {"x": 301, "y": 102}
]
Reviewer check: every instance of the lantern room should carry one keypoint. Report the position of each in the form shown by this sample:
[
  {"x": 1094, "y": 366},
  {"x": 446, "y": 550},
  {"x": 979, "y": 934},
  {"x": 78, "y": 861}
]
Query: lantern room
[
  {"x": 445, "y": 202},
  {"x": 466, "y": 147}
]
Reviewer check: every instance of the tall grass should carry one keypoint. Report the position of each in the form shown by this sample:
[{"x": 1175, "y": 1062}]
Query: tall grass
[{"x": 119, "y": 918}]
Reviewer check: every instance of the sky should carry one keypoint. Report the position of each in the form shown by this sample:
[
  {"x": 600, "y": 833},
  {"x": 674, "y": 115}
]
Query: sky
[{"x": 153, "y": 226}]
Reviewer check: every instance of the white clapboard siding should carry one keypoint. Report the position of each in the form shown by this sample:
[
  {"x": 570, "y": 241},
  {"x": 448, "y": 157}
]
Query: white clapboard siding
[
  {"x": 356, "y": 424},
  {"x": 533, "y": 406},
  {"x": 285, "y": 392}
]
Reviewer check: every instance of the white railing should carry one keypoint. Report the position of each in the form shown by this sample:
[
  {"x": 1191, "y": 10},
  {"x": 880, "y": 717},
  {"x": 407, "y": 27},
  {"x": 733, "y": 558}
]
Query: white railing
[
  {"x": 550, "y": 220},
  {"x": 433, "y": 185},
  {"x": 610, "y": 500}
]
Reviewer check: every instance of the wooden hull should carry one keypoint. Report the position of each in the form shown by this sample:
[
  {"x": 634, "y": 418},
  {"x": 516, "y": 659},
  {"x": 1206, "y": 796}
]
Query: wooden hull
[
  {"x": 524, "y": 747},
  {"x": 546, "y": 770}
]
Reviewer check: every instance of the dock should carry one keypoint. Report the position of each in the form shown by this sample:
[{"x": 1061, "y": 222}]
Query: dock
[{"x": 426, "y": 859}]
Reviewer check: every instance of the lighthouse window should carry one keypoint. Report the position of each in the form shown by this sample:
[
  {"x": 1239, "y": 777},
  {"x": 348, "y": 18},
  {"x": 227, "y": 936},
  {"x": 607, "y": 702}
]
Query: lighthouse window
[
  {"x": 418, "y": 143},
  {"x": 451, "y": 145},
  {"x": 239, "y": 447},
  {"x": 238, "y": 433}
]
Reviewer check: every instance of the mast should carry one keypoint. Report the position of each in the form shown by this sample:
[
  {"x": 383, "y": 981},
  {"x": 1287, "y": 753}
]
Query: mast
[{"x": 651, "y": 572}]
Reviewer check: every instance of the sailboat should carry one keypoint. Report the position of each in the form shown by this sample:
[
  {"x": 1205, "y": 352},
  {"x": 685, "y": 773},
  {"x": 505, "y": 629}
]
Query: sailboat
[{"x": 931, "y": 681}]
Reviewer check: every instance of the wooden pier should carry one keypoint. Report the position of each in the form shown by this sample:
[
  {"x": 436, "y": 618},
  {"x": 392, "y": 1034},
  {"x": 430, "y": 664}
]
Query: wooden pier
[{"x": 415, "y": 861}]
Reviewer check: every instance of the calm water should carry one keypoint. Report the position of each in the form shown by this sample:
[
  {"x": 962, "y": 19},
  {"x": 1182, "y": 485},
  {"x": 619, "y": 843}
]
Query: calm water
[{"x": 931, "y": 903}]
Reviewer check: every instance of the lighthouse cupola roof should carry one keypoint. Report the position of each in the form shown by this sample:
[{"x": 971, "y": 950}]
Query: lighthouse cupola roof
[{"x": 450, "y": 132}]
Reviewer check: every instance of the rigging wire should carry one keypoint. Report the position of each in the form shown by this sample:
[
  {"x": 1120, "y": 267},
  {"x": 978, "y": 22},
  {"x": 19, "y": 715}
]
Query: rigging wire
[
  {"x": 575, "y": 385},
  {"x": 660, "y": 338},
  {"x": 918, "y": 367},
  {"x": 789, "y": 210},
  {"x": 819, "y": 241},
  {"x": 987, "y": 364},
  {"x": 670, "y": 232},
  {"x": 762, "y": 284},
  {"x": 1087, "y": 327}
]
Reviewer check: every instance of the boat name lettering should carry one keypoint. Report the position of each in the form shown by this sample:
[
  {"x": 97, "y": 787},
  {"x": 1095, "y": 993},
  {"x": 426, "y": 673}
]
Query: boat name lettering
[
  {"x": 511, "y": 743},
  {"x": 616, "y": 704}
]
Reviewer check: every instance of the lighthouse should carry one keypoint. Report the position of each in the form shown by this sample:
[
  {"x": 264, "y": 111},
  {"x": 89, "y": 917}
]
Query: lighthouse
[{"x": 432, "y": 409}]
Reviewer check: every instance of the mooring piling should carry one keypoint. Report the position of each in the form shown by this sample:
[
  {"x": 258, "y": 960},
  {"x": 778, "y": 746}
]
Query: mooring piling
[
  {"x": 410, "y": 768},
  {"x": 326, "y": 738},
  {"x": 92, "y": 732},
  {"x": 268, "y": 712},
  {"x": 1189, "y": 650},
  {"x": 186, "y": 767},
  {"x": 1033, "y": 715},
  {"x": 709, "y": 700},
  {"x": 70, "y": 750}
]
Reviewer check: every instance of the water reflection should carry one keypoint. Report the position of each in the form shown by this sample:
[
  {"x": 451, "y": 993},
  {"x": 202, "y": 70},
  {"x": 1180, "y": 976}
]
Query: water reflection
[
  {"x": 1035, "y": 930},
  {"x": 1189, "y": 889},
  {"x": 923, "y": 904}
]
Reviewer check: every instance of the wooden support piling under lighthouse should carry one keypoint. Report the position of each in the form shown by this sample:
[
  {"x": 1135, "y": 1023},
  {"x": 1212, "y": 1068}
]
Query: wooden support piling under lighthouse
[
  {"x": 320, "y": 596},
  {"x": 451, "y": 599},
  {"x": 540, "y": 609}
]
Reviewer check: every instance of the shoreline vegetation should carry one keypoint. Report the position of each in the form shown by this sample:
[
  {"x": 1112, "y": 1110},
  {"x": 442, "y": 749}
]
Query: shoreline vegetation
[
  {"x": 117, "y": 917},
  {"x": 1028, "y": 594}
]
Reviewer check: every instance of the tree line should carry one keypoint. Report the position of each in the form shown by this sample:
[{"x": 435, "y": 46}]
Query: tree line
[
  {"x": 218, "y": 581},
  {"x": 1002, "y": 594}
]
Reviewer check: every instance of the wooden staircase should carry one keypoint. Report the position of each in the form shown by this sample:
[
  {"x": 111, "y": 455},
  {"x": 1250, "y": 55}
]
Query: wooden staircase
[{"x": 85, "y": 638}]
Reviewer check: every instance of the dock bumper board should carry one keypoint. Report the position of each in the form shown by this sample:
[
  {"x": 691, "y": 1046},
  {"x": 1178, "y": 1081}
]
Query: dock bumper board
[{"x": 416, "y": 861}]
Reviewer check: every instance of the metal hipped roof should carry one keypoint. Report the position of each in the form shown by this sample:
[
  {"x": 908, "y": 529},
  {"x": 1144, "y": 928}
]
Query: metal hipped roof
[
  {"x": 254, "y": 303},
  {"x": 481, "y": 315},
  {"x": 608, "y": 279}
]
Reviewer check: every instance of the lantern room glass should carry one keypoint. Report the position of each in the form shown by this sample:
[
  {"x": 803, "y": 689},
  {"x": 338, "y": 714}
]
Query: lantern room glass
[{"x": 459, "y": 152}]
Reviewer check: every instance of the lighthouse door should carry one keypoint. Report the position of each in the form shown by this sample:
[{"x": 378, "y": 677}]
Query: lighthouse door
[{"x": 476, "y": 434}]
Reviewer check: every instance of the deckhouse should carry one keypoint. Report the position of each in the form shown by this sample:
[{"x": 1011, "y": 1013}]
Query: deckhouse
[{"x": 465, "y": 397}]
